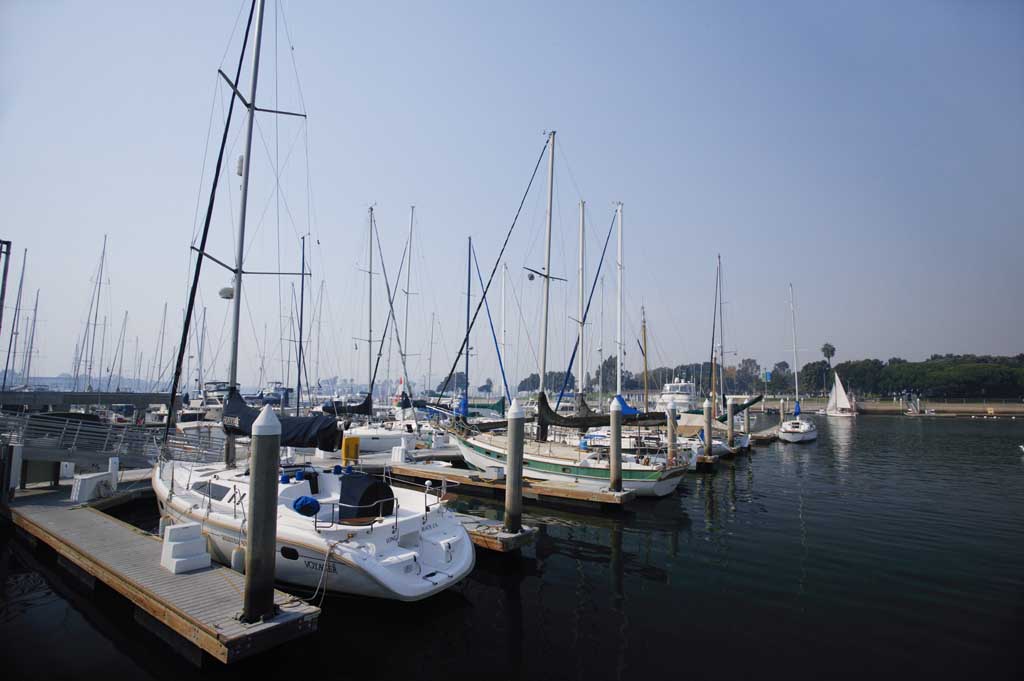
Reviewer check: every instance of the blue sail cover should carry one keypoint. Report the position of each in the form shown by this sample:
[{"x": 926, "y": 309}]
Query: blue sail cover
[
  {"x": 796, "y": 409},
  {"x": 626, "y": 409}
]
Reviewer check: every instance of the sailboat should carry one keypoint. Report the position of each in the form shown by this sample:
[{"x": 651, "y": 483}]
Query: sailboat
[
  {"x": 797, "y": 429},
  {"x": 838, "y": 401},
  {"x": 550, "y": 460},
  {"x": 338, "y": 530}
]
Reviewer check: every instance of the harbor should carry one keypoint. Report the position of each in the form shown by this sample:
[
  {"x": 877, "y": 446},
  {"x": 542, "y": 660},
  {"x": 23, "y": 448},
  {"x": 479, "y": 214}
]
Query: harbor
[
  {"x": 797, "y": 543},
  {"x": 438, "y": 341}
]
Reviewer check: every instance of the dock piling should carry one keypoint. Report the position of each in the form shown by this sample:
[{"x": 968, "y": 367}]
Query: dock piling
[
  {"x": 514, "y": 469},
  {"x": 615, "y": 448},
  {"x": 746, "y": 421},
  {"x": 730, "y": 429},
  {"x": 708, "y": 443},
  {"x": 258, "y": 596},
  {"x": 673, "y": 449}
]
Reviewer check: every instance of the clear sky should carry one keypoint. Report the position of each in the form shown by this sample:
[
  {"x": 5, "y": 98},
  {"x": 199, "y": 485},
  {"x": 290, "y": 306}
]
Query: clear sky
[{"x": 870, "y": 152}]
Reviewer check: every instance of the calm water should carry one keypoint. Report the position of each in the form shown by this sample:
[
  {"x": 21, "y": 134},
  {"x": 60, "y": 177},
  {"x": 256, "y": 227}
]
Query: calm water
[{"x": 890, "y": 546}]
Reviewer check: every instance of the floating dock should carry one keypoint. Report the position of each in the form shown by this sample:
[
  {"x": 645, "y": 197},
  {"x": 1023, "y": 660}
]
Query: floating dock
[
  {"x": 491, "y": 535},
  {"x": 763, "y": 437},
  {"x": 195, "y": 612},
  {"x": 536, "y": 490}
]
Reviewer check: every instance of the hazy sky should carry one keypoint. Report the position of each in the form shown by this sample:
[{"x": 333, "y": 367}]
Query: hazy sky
[{"x": 870, "y": 152}]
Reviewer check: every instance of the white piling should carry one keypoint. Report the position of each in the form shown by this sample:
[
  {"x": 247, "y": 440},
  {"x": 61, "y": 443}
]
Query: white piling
[
  {"x": 709, "y": 447},
  {"x": 730, "y": 428},
  {"x": 615, "y": 450},
  {"x": 258, "y": 599},
  {"x": 514, "y": 469}
]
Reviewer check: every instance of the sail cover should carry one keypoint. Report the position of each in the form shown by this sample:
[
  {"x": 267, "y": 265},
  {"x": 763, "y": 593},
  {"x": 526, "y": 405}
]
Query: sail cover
[
  {"x": 336, "y": 408},
  {"x": 296, "y": 431}
]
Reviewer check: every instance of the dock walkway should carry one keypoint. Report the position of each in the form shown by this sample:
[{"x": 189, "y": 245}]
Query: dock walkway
[
  {"x": 536, "y": 490},
  {"x": 201, "y": 606}
]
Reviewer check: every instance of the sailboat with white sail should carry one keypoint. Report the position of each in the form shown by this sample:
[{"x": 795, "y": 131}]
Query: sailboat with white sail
[
  {"x": 796, "y": 429},
  {"x": 838, "y": 401}
]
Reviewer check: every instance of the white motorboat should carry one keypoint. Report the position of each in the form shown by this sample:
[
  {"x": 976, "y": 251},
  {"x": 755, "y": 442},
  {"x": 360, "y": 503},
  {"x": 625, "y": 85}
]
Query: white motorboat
[
  {"x": 682, "y": 392},
  {"x": 342, "y": 532},
  {"x": 838, "y": 401},
  {"x": 798, "y": 430}
]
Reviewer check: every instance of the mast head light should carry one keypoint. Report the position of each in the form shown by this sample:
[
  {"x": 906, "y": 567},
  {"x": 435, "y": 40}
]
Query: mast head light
[{"x": 227, "y": 293}]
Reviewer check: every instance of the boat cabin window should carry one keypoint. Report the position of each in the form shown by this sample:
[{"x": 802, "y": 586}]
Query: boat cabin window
[{"x": 210, "y": 489}]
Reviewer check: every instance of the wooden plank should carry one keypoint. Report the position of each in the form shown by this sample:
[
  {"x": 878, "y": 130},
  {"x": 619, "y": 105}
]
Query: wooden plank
[
  {"x": 199, "y": 607},
  {"x": 489, "y": 534},
  {"x": 532, "y": 488}
]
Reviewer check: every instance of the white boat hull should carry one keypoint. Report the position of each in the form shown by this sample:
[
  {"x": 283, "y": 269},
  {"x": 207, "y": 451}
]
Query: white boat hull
[{"x": 373, "y": 563}]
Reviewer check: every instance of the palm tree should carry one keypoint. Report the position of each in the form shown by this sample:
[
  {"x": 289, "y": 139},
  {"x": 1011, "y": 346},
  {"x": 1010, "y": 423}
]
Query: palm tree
[{"x": 829, "y": 351}]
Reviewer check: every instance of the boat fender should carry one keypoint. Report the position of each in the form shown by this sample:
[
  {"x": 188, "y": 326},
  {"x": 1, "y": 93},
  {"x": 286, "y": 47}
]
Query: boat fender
[
  {"x": 285, "y": 479},
  {"x": 238, "y": 559},
  {"x": 337, "y": 470},
  {"x": 299, "y": 476},
  {"x": 306, "y": 505}
]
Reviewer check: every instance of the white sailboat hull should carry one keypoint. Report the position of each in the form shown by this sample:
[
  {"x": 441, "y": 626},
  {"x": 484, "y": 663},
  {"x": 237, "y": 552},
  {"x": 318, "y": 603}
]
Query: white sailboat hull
[{"x": 437, "y": 554}]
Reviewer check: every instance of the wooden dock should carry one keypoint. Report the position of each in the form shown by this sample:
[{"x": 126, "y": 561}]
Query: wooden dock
[
  {"x": 195, "y": 612},
  {"x": 763, "y": 437},
  {"x": 544, "y": 491},
  {"x": 491, "y": 535}
]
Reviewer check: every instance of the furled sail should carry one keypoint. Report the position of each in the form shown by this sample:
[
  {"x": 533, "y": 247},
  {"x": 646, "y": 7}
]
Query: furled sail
[{"x": 296, "y": 431}]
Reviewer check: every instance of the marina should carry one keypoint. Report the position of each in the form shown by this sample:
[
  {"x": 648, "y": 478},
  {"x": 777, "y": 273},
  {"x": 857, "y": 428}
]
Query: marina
[
  {"x": 411, "y": 377},
  {"x": 797, "y": 543}
]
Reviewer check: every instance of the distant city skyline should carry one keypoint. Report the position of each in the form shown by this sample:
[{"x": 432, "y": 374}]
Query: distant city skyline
[{"x": 871, "y": 154}]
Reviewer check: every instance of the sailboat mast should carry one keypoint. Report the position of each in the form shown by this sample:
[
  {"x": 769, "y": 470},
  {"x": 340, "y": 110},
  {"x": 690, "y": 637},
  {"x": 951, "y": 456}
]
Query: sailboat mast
[
  {"x": 796, "y": 363},
  {"x": 430, "y": 354},
  {"x": 643, "y": 333},
  {"x": 240, "y": 250},
  {"x": 618, "y": 336},
  {"x": 12, "y": 343},
  {"x": 96, "y": 313},
  {"x": 469, "y": 291},
  {"x": 302, "y": 309},
  {"x": 547, "y": 261},
  {"x": 31, "y": 343},
  {"x": 408, "y": 276},
  {"x": 581, "y": 354},
  {"x": 369, "y": 315}
]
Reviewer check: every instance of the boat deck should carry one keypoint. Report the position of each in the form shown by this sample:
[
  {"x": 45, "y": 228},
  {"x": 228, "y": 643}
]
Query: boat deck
[
  {"x": 200, "y": 607},
  {"x": 585, "y": 492}
]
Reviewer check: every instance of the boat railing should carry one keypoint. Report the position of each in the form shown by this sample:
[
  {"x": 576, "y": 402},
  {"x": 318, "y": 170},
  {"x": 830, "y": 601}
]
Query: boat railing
[
  {"x": 40, "y": 431},
  {"x": 428, "y": 487},
  {"x": 335, "y": 513}
]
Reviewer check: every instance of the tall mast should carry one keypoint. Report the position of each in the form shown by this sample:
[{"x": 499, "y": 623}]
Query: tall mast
[
  {"x": 469, "y": 291},
  {"x": 643, "y": 333},
  {"x": 582, "y": 366},
  {"x": 12, "y": 343},
  {"x": 408, "y": 275},
  {"x": 240, "y": 250},
  {"x": 430, "y": 355},
  {"x": 504, "y": 276},
  {"x": 31, "y": 342},
  {"x": 600, "y": 350},
  {"x": 369, "y": 316},
  {"x": 302, "y": 301},
  {"x": 547, "y": 260},
  {"x": 158, "y": 360},
  {"x": 618, "y": 336},
  {"x": 96, "y": 314},
  {"x": 120, "y": 363},
  {"x": 721, "y": 330},
  {"x": 796, "y": 362}
]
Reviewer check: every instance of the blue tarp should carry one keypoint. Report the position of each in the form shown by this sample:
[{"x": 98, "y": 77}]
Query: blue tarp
[{"x": 626, "y": 409}]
